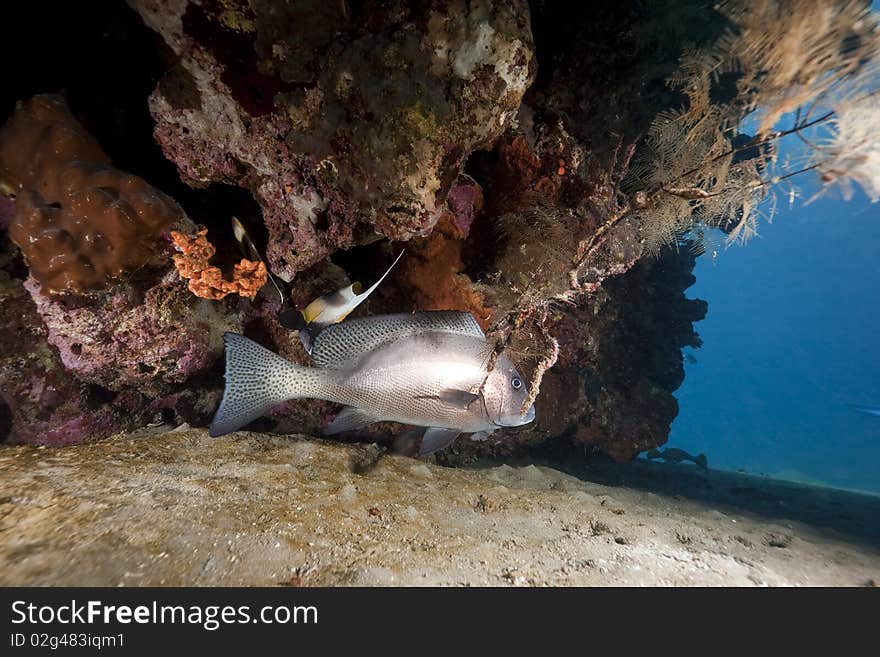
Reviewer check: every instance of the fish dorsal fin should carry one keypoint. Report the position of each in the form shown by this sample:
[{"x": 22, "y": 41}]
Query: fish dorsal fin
[{"x": 340, "y": 346}]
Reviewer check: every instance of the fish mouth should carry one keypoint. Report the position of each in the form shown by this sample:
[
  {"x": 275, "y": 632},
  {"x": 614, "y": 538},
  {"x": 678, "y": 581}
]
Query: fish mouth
[{"x": 520, "y": 420}]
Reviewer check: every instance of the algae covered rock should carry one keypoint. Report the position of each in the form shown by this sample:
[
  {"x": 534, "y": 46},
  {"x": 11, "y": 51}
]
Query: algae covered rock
[
  {"x": 96, "y": 242},
  {"x": 151, "y": 339},
  {"x": 42, "y": 403},
  {"x": 344, "y": 121}
]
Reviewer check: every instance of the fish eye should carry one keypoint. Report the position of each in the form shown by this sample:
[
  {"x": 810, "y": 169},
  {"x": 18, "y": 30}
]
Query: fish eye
[{"x": 516, "y": 383}]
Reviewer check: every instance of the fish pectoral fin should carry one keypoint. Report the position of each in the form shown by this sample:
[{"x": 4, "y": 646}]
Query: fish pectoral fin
[
  {"x": 457, "y": 398},
  {"x": 480, "y": 436},
  {"x": 349, "y": 419},
  {"x": 436, "y": 439}
]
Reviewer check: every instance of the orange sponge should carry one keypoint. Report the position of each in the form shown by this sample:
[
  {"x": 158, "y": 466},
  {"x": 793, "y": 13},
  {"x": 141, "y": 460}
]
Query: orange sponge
[{"x": 207, "y": 281}]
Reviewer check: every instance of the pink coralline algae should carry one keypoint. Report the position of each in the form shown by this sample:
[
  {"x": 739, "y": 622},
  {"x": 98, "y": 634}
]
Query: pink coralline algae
[
  {"x": 148, "y": 340},
  {"x": 464, "y": 201},
  {"x": 45, "y": 404}
]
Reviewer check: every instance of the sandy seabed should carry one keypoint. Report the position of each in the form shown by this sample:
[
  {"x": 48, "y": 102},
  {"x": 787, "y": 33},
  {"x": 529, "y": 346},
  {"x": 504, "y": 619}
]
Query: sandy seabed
[{"x": 181, "y": 508}]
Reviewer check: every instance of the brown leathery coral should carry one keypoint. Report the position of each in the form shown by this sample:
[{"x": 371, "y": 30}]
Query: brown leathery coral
[
  {"x": 205, "y": 280},
  {"x": 79, "y": 222},
  {"x": 37, "y": 141}
]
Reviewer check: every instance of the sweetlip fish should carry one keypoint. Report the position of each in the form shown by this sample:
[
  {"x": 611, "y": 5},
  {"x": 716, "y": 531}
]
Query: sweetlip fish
[{"x": 428, "y": 369}]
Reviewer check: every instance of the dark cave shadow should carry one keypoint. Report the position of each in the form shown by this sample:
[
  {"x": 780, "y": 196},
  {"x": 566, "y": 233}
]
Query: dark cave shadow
[{"x": 831, "y": 512}]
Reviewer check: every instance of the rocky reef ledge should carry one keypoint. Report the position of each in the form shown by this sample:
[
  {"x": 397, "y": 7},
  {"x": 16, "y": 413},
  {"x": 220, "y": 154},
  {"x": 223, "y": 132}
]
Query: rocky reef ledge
[{"x": 254, "y": 509}]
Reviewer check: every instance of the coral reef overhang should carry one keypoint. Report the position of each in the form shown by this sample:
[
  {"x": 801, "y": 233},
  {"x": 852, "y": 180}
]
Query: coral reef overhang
[{"x": 474, "y": 133}]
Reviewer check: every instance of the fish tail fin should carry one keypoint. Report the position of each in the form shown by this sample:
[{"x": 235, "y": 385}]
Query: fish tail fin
[{"x": 257, "y": 380}]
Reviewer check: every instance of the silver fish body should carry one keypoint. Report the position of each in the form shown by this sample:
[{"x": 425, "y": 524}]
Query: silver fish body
[{"x": 427, "y": 369}]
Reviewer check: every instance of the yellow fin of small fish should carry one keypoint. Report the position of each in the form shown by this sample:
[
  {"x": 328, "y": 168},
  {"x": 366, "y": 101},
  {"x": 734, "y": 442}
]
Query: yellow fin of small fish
[{"x": 334, "y": 307}]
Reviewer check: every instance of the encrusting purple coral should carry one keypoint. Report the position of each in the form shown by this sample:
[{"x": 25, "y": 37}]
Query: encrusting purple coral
[{"x": 149, "y": 339}]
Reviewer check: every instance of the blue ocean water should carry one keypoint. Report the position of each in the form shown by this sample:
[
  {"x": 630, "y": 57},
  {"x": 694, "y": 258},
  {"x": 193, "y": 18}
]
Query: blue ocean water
[{"x": 791, "y": 341}]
